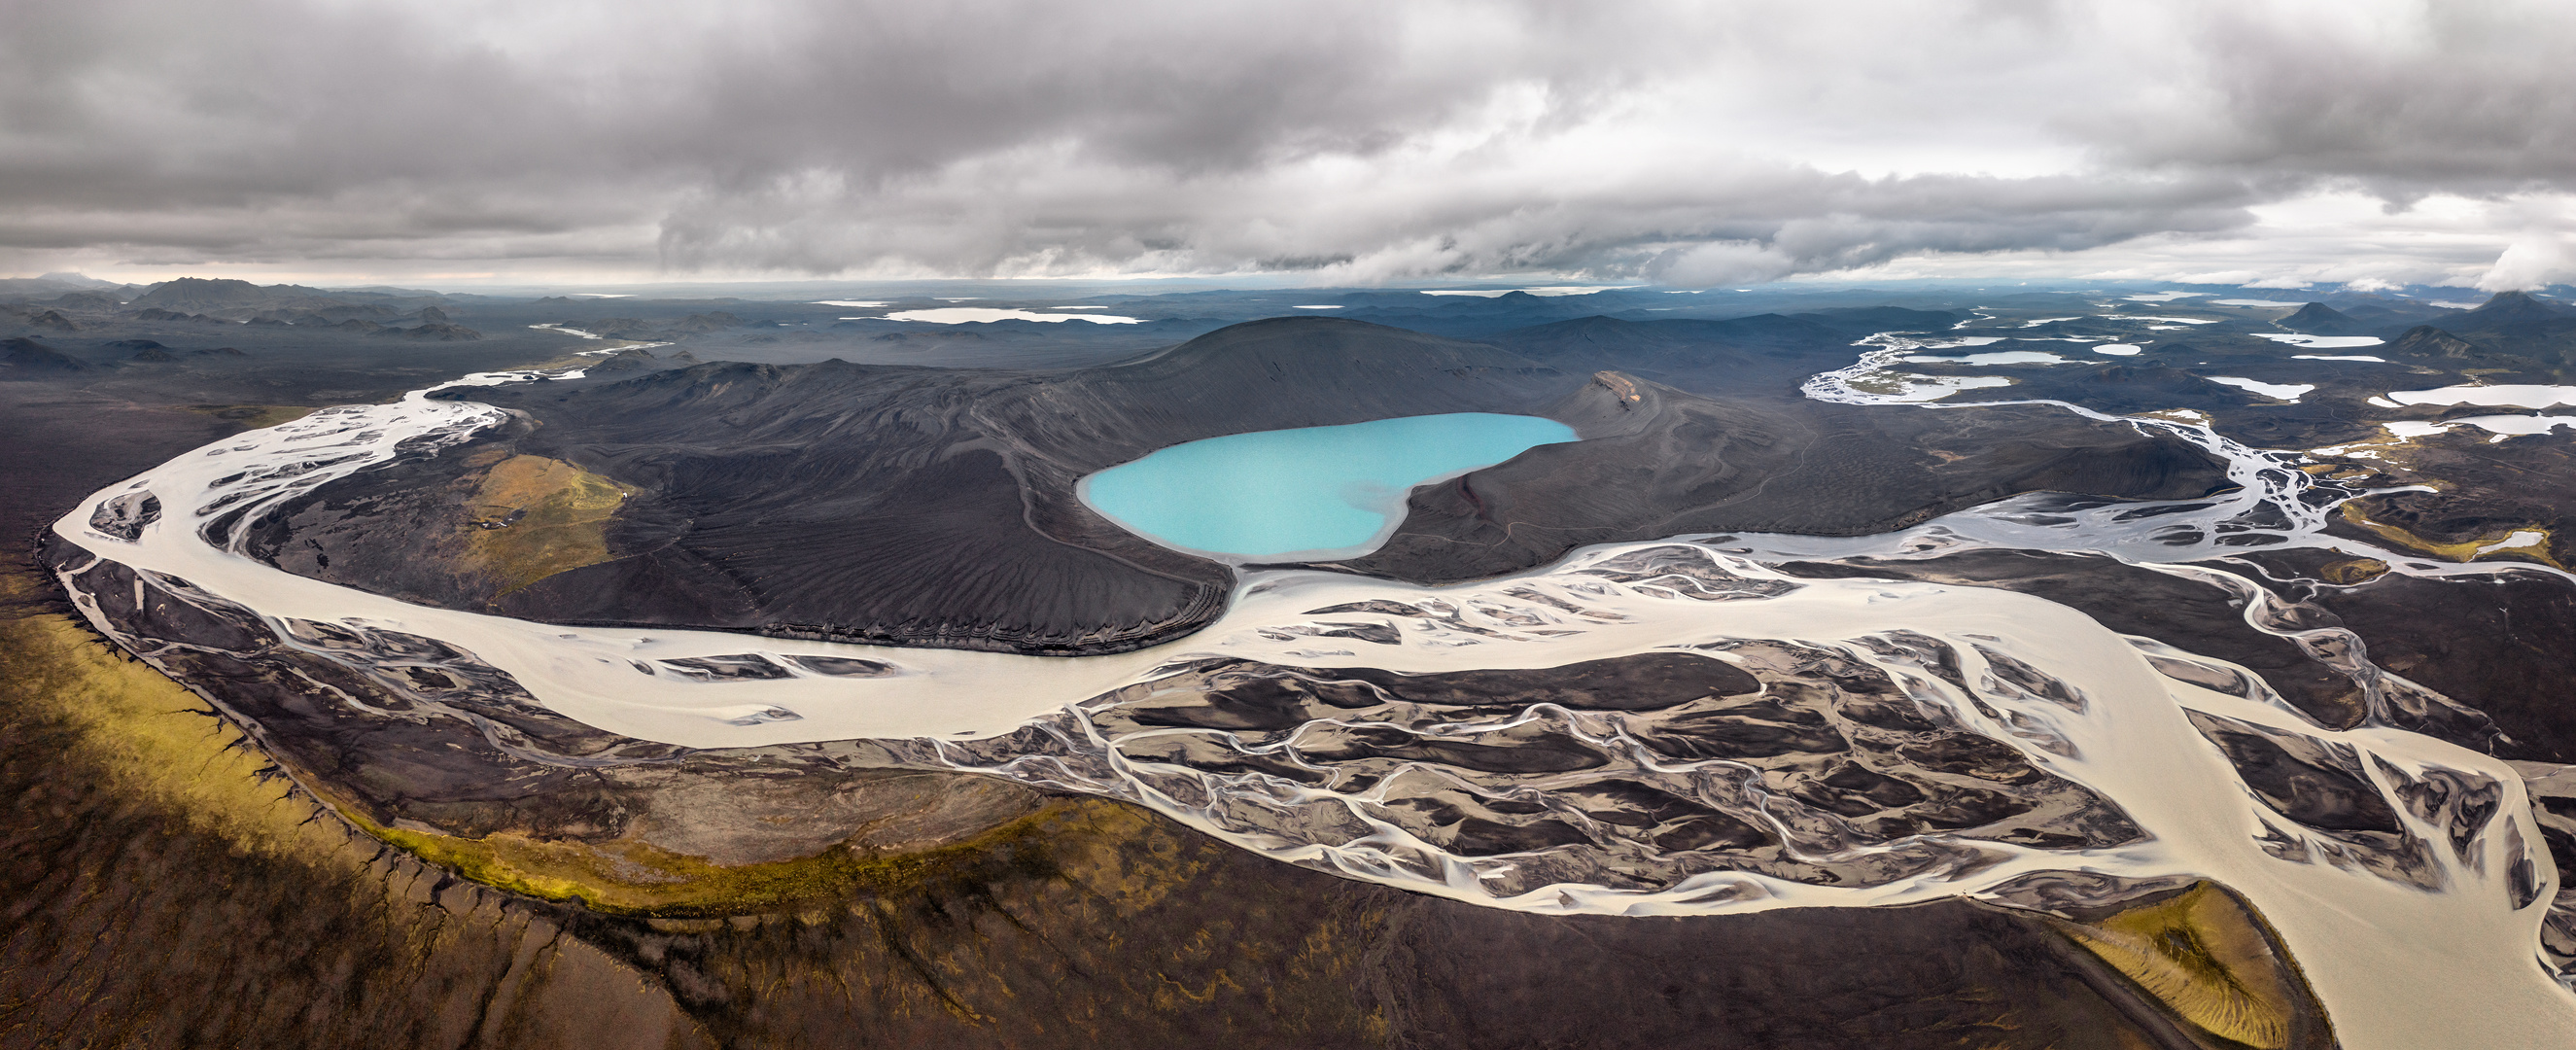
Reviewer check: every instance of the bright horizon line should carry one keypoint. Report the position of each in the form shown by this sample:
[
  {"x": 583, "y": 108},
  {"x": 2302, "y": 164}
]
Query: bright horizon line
[{"x": 1556, "y": 285}]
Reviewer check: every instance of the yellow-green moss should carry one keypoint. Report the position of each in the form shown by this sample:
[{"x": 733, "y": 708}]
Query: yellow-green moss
[
  {"x": 630, "y": 877},
  {"x": 2208, "y": 957},
  {"x": 149, "y": 736},
  {"x": 2466, "y": 550},
  {"x": 2350, "y": 571},
  {"x": 153, "y": 740},
  {"x": 561, "y": 519}
]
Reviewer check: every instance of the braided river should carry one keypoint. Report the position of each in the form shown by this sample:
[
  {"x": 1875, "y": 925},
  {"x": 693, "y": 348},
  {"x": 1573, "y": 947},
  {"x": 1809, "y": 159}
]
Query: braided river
[{"x": 1351, "y": 725}]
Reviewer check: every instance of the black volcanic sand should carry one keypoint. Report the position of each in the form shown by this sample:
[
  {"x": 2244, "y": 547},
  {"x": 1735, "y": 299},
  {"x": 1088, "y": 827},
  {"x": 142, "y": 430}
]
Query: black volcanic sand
[
  {"x": 2182, "y": 613},
  {"x": 2488, "y": 488},
  {"x": 1100, "y": 926},
  {"x": 1089, "y": 924},
  {"x": 423, "y": 765},
  {"x": 1096, "y": 926},
  {"x": 1093, "y": 925},
  {"x": 2496, "y": 644},
  {"x": 1841, "y": 757},
  {"x": 1673, "y": 463},
  {"x": 937, "y": 507},
  {"x": 68, "y": 443}
]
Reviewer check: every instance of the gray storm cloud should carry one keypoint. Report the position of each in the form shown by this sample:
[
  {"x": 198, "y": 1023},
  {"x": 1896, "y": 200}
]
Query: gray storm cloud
[{"x": 1362, "y": 142}]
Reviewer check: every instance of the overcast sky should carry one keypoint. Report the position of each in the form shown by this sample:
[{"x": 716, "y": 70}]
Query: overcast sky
[{"x": 1689, "y": 144}]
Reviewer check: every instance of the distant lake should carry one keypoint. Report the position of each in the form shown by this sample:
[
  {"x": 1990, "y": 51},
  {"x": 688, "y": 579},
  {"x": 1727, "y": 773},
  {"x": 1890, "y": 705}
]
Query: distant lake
[{"x": 1303, "y": 494}]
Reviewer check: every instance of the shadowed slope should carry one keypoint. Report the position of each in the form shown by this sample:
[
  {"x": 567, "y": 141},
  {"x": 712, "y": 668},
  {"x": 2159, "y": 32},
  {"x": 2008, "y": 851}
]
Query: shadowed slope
[{"x": 936, "y": 506}]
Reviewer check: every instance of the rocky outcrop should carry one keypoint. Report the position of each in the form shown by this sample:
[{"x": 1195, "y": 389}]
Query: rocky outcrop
[
  {"x": 2320, "y": 319},
  {"x": 2424, "y": 340},
  {"x": 99, "y": 302},
  {"x": 155, "y": 313},
  {"x": 435, "y": 331},
  {"x": 29, "y": 359}
]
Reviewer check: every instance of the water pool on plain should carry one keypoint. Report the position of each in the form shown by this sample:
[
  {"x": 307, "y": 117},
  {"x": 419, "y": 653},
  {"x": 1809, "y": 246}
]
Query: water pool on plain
[{"x": 1307, "y": 493}]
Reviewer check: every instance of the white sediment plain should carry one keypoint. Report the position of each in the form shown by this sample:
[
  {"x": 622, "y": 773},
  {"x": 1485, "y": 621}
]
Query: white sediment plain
[
  {"x": 2498, "y": 396},
  {"x": 2501, "y": 426},
  {"x": 1914, "y": 389},
  {"x": 2397, "y": 963},
  {"x": 2283, "y": 391},
  {"x": 2165, "y": 320},
  {"x": 1999, "y": 357},
  {"x": 2322, "y": 342}
]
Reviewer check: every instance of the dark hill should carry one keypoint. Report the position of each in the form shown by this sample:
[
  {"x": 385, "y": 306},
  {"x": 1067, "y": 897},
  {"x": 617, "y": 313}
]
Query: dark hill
[
  {"x": 1673, "y": 462},
  {"x": 202, "y": 294},
  {"x": 28, "y": 359},
  {"x": 438, "y": 331},
  {"x": 2511, "y": 308},
  {"x": 357, "y": 312},
  {"x": 155, "y": 313},
  {"x": 2427, "y": 341},
  {"x": 2123, "y": 386},
  {"x": 711, "y": 321},
  {"x": 937, "y": 506},
  {"x": 2320, "y": 319},
  {"x": 1765, "y": 351},
  {"x": 1856, "y": 322},
  {"x": 1476, "y": 316},
  {"x": 2386, "y": 311},
  {"x": 2523, "y": 326},
  {"x": 2147, "y": 387},
  {"x": 1302, "y": 371},
  {"x": 89, "y": 301}
]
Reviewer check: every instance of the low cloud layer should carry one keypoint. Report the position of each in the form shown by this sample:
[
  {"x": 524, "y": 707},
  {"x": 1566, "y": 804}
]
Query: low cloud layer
[{"x": 1353, "y": 142}]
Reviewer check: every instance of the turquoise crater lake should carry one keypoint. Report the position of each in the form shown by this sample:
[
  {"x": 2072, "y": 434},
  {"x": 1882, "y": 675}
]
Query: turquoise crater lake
[{"x": 1303, "y": 494}]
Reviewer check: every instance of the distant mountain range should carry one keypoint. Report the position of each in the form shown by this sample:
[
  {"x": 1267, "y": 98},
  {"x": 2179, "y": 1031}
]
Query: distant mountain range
[
  {"x": 52, "y": 284},
  {"x": 2518, "y": 324},
  {"x": 66, "y": 303}
]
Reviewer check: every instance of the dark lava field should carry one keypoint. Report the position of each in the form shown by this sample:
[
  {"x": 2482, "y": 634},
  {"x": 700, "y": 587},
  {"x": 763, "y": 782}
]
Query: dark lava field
[{"x": 320, "y": 866}]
